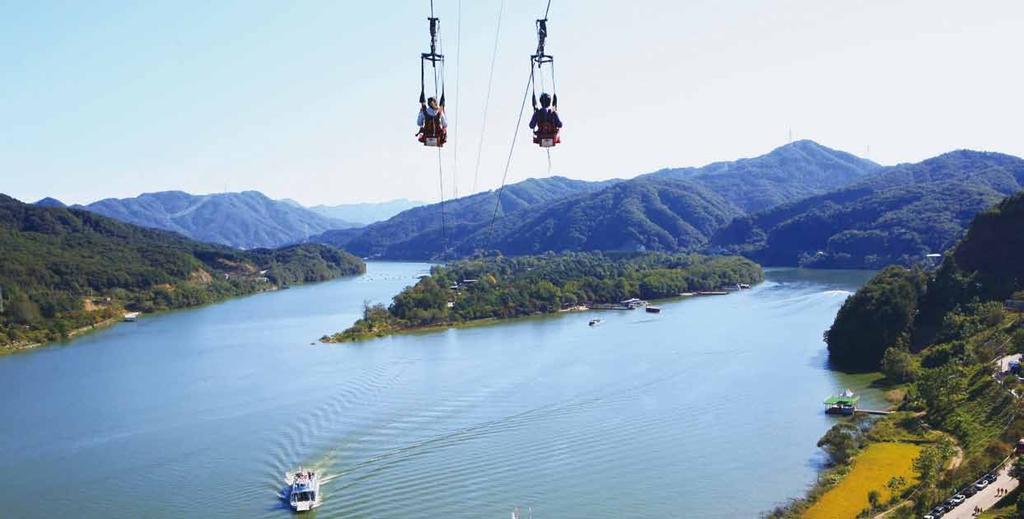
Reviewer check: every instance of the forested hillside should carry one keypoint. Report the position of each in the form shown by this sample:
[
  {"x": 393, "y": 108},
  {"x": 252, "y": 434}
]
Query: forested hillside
[
  {"x": 937, "y": 338},
  {"x": 246, "y": 220},
  {"x": 656, "y": 214},
  {"x": 789, "y": 173},
  {"x": 897, "y": 216},
  {"x": 416, "y": 233},
  {"x": 669, "y": 210},
  {"x": 62, "y": 269},
  {"x": 913, "y": 310}
]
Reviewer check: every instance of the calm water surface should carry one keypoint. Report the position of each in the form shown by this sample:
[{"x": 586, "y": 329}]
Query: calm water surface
[{"x": 709, "y": 409}]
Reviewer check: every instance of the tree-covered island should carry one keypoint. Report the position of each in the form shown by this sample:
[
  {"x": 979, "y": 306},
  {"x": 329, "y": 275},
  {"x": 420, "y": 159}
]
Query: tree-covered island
[{"x": 507, "y": 287}]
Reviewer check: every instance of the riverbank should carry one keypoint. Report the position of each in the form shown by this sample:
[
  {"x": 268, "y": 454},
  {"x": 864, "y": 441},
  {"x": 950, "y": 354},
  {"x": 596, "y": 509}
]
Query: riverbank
[
  {"x": 9, "y": 349},
  {"x": 486, "y": 321},
  {"x": 119, "y": 312}
]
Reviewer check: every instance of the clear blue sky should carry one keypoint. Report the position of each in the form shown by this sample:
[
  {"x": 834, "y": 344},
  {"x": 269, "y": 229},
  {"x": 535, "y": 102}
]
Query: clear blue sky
[{"x": 316, "y": 100}]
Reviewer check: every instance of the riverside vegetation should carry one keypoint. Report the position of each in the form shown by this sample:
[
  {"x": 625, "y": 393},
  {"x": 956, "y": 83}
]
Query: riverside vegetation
[
  {"x": 506, "y": 287},
  {"x": 935, "y": 337},
  {"x": 65, "y": 269}
]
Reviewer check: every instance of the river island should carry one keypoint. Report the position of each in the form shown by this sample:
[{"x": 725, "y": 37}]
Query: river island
[{"x": 493, "y": 288}]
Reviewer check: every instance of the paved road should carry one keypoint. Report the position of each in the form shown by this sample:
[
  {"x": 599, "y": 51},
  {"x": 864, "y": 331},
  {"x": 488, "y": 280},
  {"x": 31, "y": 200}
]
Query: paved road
[{"x": 986, "y": 498}]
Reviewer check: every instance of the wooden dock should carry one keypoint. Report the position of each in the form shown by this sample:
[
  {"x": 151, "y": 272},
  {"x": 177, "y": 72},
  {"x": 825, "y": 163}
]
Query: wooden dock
[{"x": 876, "y": 412}]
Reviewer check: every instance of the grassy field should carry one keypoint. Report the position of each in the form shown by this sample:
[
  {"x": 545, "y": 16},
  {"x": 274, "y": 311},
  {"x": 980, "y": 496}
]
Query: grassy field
[{"x": 872, "y": 469}]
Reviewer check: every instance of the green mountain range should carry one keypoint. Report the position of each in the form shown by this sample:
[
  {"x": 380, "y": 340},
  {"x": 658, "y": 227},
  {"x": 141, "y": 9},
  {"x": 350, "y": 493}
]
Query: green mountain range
[
  {"x": 669, "y": 210},
  {"x": 245, "y": 220},
  {"x": 417, "y": 233},
  {"x": 898, "y": 215},
  {"x": 62, "y": 269}
]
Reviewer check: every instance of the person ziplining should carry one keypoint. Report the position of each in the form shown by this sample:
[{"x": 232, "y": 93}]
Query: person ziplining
[
  {"x": 545, "y": 123},
  {"x": 431, "y": 120},
  {"x": 433, "y": 123}
]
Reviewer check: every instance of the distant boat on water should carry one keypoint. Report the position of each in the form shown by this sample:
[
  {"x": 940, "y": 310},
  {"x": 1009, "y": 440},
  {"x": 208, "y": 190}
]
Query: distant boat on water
[
  {"x": 131, "y": 317},
  {"x": 653, "y": 309},
  {"x": 595, "y": 322}
]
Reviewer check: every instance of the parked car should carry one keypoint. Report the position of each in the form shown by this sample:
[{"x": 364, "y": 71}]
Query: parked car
[
  {"x": 991, "y": 478},
  {"x": 981, "y": 484},
  {"x": 957, "y": 499},
  {"x": 969, "y": 491}
]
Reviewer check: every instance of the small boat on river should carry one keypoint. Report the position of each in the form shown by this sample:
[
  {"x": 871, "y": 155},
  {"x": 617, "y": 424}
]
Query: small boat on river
[
  {"x": 844, "y": 404},
  {"x": 653, "y": 309},
  {"x": 304, "y": 490},
  {"x": 595, "y": 322}
]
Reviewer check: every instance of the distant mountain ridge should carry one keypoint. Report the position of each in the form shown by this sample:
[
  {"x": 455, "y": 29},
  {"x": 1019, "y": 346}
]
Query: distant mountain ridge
[
  {"x": 668, "y": 210},
  {"x": 797, "y": 170},
  {"x": 245, "y": 220},
  {"x": 365, "y": 213},
  {"x": 899, "y": 215},
  {"x": 49, "y": 202},
  {"x": 417, "y": 233}
]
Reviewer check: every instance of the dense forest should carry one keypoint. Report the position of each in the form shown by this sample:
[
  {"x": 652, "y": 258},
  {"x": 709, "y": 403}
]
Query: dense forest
[
  {"x": 63, "y": 269},
  {"x": 936, "y": 337},
  {"x": 416, "y": 233},
  {"x": 800, "y": 205},
  {"x": 505, "y": 287},
  {"x": 896, "y": 217},
  {"x": 669, "y": 210}
]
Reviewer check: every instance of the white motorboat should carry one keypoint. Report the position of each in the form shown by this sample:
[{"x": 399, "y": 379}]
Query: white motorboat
[{"x": 304, "y": 490}]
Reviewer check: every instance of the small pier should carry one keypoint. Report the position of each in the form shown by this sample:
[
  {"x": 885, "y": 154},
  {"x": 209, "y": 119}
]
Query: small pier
[{"x": 876, "y": 412}]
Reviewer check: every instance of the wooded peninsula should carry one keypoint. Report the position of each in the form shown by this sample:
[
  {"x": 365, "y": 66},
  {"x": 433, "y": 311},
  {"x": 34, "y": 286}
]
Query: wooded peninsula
[{"x": 507, "y": 287}]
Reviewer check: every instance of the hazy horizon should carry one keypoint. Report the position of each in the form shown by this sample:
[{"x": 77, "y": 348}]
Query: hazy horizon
[{"x": 315, "y": 101}]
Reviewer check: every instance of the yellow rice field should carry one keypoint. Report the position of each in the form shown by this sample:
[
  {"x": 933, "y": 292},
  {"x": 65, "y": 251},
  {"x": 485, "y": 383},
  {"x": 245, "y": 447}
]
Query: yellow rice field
[{"x": 872, "y": 469}]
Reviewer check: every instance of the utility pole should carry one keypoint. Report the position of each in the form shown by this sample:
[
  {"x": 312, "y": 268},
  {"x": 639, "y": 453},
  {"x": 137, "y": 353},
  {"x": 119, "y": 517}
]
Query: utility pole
[{"x": 1, "y": 299}]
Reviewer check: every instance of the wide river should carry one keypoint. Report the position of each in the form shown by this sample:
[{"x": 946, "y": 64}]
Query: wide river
[{"x": 710, "y": 409}]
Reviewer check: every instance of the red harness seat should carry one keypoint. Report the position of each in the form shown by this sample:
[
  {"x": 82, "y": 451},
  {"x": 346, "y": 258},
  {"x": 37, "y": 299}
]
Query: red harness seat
[
  {"x": 546, "y": 135},
  {"x": 432, "y": 133}
]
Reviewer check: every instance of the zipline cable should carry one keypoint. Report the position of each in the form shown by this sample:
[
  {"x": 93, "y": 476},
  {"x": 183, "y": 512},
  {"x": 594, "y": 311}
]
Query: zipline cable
[
  {"x": 519, "y": 121},
  {"x": 508, "y": 161},
  {"x": 487, "y": 100},
  {"x": 455, "y": 127},
  {"x": 440, "y": 163}
]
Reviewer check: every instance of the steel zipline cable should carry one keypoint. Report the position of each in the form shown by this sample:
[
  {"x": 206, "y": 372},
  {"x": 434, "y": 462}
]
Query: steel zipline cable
[
  {"x": 508, "y": 161},
  {"x": 487, "y": 99},
  {"x": 455, "y": 127},
  {"x": 440, "y": 162}
]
